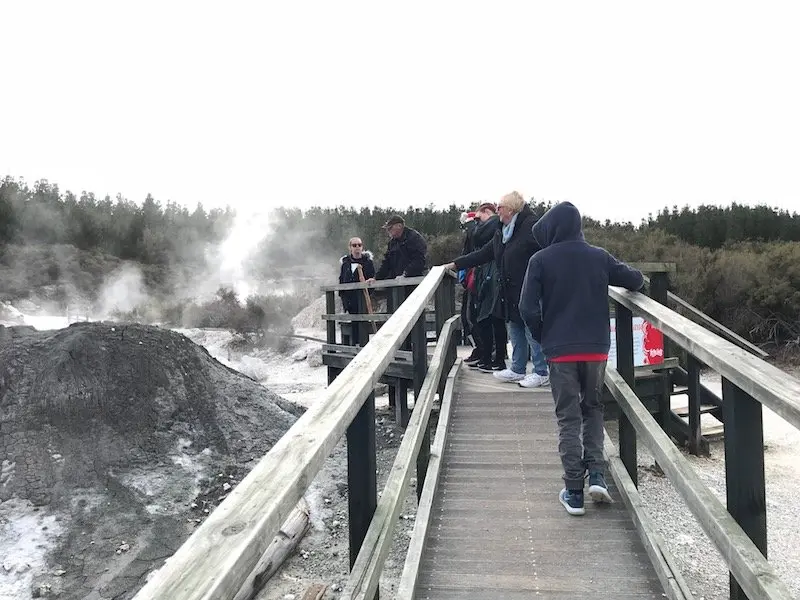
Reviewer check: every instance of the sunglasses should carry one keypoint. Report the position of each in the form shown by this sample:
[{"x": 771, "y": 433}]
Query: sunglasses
[{"x": 356, "y": 245}]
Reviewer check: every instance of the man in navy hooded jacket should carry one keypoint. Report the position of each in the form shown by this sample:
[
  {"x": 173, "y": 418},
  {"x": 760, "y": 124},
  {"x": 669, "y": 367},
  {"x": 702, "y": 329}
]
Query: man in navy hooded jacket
[{"x": 564, "y": 302}]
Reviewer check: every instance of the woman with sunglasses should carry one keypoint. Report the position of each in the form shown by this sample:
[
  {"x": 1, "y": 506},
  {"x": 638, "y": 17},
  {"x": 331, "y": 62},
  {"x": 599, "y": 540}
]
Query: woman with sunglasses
[{"x": 349, "y": 273}]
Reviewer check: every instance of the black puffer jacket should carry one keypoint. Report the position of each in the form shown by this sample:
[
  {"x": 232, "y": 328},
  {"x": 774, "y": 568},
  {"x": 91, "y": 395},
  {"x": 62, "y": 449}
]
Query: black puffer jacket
[
  {"x": 348, "y": 274},
  {"x": 404, "y": 256},
  {"x": 511, "y": 260}
]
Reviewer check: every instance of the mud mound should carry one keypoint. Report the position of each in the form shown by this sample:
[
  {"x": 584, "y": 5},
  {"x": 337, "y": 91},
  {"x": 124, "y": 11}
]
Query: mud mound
[
  {"x": 311, "y": 316},
  {"x": 132, "y": 434}
]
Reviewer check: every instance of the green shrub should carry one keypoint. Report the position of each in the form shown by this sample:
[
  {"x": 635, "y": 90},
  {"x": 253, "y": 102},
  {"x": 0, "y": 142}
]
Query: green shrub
[{"x": 444, "y": 248}]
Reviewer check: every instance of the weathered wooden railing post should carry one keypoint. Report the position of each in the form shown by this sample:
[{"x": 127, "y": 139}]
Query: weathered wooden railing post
[
  {"x": 449, "y": 284},
  {"x": 419, "y": 353},
  {"x": 744, "y": 468},
  {"x": 658, "y": 290},
  {"x": 397, "y": 296},
  {"x": 330, "y": 326},
  {"x": 627, "y": 434},
  {"x": 439, "y": 308},
  {"x": 330, "y": 308},
  {"x": 391, "y": 306},
  {"x": 362, "y": 484},
  {"x": 362, "y": 477},
  {"x": 693, "y": 367}
]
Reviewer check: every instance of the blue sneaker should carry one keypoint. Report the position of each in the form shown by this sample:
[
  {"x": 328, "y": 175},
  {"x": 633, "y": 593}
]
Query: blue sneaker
[
  {"x": 572, "y": 501},
  {"x": 598, "y": 490}
]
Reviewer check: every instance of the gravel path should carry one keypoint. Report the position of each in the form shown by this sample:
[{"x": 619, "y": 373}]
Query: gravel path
[{"x": 698, "y": 558}]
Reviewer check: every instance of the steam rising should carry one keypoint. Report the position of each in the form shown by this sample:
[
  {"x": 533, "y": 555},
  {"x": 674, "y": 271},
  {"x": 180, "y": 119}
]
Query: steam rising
[
  {"x": 123, "y": 292},
  {"x": 53, "y": 268},
  {"x": 229, "y": 263}
]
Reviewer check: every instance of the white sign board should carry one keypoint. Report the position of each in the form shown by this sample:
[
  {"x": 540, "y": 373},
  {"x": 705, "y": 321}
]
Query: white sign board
[{"x": 648, "y": 344}]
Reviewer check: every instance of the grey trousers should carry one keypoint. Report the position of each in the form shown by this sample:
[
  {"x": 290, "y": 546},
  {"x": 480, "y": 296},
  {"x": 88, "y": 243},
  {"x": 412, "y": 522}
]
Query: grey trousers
[{"x": 577, "y": 390}]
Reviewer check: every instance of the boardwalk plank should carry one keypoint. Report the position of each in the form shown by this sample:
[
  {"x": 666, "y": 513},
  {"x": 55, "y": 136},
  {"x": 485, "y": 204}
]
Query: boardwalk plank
[{"x": 497, "y": 528}]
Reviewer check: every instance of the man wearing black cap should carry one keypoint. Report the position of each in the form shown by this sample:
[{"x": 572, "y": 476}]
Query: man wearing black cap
[{"x": 405, "y": 256}]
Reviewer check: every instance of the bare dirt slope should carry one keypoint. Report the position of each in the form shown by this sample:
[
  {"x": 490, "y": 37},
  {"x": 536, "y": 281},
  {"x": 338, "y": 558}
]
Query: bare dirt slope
[{"x": 120, "y": 438}]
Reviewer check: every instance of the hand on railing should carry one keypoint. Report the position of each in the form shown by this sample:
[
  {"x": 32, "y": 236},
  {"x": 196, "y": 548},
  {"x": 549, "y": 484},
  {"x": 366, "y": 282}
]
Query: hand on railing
[{"x": 451, "y": 266}]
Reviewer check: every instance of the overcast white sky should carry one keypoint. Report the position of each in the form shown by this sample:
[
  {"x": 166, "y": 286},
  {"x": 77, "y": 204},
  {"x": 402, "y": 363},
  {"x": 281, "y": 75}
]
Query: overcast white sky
[{"x": 620, "y": 107}]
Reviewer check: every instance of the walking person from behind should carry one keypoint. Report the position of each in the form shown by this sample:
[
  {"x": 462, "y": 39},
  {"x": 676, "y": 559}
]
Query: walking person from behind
[
  {"x": 565, "y": 305},
  {"x": 406, "y": 253},
  {"x": 511, "y": 248},
  {"x": 350, "y": 262}
]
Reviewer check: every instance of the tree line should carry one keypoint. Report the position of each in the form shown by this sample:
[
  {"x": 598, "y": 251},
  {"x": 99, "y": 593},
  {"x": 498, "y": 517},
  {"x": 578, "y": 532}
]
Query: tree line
[
  {"x": 155, "y": 233},
  {"x": 715, "y": 226},
  {"x": 739, "y": 264},
  {"x": 149, "y": 233}
]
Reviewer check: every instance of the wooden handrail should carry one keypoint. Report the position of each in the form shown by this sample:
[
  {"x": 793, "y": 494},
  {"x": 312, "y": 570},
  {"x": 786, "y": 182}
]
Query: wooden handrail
[
  {"x": 380, "y": 283},
  {"x": 363, "y": 317},
  {"x": 370, "y": 285},
  {"x": 366, "y": 571},
  {"x": 772, "y": 387},
  {"x": 215, "y": 561},
  {"x": 751, "y": 569},
  {"x": 654, "y": 267}
]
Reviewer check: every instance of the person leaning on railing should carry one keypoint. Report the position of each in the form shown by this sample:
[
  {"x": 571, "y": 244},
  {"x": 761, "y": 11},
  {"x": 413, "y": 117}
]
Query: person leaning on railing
[
  {"x": 350, "y": 263},
  {"x": 564, "y": 303},
  {"x": 510, "y": 248},
  {"x": 466, "y": 278},
  {"x": 489, "y": 326},
  {"x": 406, "y": 252}
]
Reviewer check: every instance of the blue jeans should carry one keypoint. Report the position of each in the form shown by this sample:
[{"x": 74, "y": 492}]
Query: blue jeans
[{"x": 522, "y": 346}]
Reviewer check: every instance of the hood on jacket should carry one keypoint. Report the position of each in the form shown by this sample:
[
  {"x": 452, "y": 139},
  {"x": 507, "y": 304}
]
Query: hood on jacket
[
  {"x": 562, "y": 223},
  {"x": 364, "y": 254}
]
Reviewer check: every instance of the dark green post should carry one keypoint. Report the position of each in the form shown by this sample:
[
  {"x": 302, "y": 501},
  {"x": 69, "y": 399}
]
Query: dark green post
[{"x": 627, "y": 434}]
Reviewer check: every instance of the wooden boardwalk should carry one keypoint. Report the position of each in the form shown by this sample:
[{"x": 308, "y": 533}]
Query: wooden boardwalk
[{"x": 497, "y": 528}]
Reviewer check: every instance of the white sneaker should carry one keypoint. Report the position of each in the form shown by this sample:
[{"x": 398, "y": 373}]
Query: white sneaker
[
  {"x": 509, "y": 376},
  {"x": 534, "y": 380}
]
